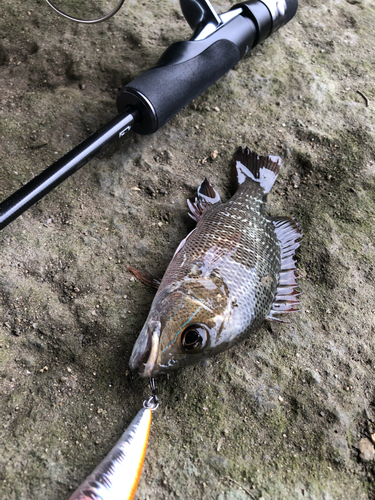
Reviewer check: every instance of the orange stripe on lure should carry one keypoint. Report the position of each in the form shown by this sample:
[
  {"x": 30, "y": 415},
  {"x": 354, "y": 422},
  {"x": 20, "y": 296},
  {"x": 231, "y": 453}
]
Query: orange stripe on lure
[{"x": 117, "y": 477}]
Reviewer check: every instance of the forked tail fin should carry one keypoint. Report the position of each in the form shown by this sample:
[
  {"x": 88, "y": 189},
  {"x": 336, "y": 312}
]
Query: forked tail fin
[{"x": 261, "y": 169}]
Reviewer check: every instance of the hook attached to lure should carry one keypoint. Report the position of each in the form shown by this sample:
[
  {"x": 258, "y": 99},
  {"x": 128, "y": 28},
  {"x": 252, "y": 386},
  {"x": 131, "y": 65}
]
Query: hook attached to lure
[{"x": 118, "y": 474}]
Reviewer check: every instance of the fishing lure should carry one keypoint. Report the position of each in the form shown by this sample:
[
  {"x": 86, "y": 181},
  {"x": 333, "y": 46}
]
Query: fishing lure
[{"x": 117, "y": 476}]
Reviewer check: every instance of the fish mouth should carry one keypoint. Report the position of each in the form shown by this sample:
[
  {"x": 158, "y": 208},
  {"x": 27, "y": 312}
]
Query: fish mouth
[{"x": 146, "y": 350}]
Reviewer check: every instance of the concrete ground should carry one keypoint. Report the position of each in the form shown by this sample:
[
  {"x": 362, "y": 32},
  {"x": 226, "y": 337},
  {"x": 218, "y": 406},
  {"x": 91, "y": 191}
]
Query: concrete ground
[{"x": 288, "y": 414}]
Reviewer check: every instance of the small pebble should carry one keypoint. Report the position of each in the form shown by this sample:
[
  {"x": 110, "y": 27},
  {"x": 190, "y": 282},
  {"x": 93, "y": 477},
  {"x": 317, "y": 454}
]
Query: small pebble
[
  {"x": 220, "y": 443},
  {"x": 366, "y": 450}
]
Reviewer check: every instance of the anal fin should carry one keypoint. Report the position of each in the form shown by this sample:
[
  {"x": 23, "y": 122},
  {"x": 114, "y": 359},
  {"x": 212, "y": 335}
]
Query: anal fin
[{"x": 206, "y": 197}]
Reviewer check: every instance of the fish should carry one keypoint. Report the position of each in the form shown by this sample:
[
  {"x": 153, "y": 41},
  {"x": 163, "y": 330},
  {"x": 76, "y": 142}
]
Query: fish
[
  {"x": 235, "y": 269},
  {"x": 117, "y": 476}
]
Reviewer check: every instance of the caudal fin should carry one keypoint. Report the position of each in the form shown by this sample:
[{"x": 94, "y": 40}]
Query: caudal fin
[{"x": 261, "y": 169}]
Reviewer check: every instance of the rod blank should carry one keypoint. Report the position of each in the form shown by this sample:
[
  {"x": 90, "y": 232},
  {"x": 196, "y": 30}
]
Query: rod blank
[{"x": 56, "y": 173}]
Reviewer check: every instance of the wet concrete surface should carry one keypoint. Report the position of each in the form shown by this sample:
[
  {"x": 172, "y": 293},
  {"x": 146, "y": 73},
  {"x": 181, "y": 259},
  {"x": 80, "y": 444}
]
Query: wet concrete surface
[{"x": 290, "y": 412}]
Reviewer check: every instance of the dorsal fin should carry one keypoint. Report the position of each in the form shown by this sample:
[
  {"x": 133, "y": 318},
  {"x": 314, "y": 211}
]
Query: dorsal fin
[
  {"x": 261, "y": 169},
  {"x": 206, "y": 196},
  {"x": 288, "y": 231}
]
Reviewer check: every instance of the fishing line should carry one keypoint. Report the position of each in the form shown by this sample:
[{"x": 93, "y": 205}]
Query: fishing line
[{"x": 87, "y": 21}]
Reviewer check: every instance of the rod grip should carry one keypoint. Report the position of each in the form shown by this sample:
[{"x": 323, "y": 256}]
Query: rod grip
[
  {"x": 161, "y": 92},
  {"x": 186, "y": 69}
]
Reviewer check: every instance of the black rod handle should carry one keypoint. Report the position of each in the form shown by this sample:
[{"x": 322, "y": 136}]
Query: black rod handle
[
  {"x": 186, "y": 69},
  {"x": 56, "y": 173}
]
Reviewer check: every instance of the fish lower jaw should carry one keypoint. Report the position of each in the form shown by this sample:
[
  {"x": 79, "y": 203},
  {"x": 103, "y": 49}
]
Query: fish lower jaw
[
  {"x": 144, "y": 372},
  {"x": 151, "y": 373},
  {"x": 159, "y": 368}
]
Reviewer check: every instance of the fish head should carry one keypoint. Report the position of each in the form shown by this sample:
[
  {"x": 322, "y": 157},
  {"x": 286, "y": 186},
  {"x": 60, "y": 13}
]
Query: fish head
[{"x": 185, "y": 324}]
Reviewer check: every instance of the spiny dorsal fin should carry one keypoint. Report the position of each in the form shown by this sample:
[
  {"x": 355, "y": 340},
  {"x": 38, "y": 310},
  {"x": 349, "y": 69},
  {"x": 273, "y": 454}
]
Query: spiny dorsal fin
[
  {"x": 261, "y": 169},
  {"x": 206, "y": 196},
  {"x": 288, "y": 231}
]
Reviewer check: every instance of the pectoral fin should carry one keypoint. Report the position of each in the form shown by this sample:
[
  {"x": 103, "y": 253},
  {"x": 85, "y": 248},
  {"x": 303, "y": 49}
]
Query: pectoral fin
[{"x": 146, "y": 278}]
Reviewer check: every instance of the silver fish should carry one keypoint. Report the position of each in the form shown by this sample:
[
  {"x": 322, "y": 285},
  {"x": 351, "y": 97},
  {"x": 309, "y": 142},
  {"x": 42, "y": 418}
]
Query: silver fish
[{"x": 235, "y": 269}]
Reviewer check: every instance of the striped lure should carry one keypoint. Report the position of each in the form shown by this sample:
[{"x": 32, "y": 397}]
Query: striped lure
[
  {"x": 235, "y": 269},
  {"x": 118, "y": 474}
]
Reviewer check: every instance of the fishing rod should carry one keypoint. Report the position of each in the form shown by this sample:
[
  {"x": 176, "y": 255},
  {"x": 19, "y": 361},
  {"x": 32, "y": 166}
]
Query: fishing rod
[{"x": 183, "y": 72}]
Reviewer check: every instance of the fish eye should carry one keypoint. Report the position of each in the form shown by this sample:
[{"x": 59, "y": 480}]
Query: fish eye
[{"x": 193, "y": 338}]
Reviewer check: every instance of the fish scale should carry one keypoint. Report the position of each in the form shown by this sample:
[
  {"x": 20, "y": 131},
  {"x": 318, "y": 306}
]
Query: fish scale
[{"x": 235, "y": 269}]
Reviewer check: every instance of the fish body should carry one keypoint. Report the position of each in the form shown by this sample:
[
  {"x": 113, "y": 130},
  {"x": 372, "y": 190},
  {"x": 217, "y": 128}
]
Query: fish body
[
  {"x": 235, "y": 269},
  {"x": 117, "y": 476}
]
